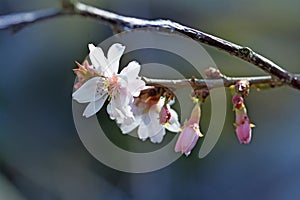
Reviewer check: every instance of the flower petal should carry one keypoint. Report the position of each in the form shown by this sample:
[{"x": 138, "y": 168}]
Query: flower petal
[
  {"x": 94, "y": 106},
  {"x": 158, "y": 137},
  {"x": 126, "y": 128},
  {"x": 119, "y": 108},
  {"x": 186, "y": 140},
  {"x": 173, "y": 125},
  {"x": 131, "y": 71},
  {"x": 114, "y": 55},
  {"x": 244, "y": 132},
  {"x": 98, "y": 60},
  {"x": 124, "y": 98},
  {"x": 143, "y": 128},
  {"x": 135, "y": 87},
  {"x": 150, "y": 125},
  {"x": 87, "y": 92}
]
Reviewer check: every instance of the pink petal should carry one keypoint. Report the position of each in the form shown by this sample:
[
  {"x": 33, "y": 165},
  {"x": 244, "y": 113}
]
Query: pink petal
[
  {"x": 186, "y": 140},
  {"x": 244, "y": 132},
  {"x": 195, "y": 115}
]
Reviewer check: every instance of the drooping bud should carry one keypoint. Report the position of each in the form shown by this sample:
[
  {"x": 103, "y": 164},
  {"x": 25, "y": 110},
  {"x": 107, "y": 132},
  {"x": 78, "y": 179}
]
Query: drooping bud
[
  {"x": 190, "y": 133},
  {"x": 242, "y": 123},
  {"x": 237, "y": 102},
  {"x": 243, "y": 127}
]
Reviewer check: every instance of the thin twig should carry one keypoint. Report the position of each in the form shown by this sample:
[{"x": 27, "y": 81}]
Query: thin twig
[
  {"x": 120, "y": 22},
  {"x": 17, "y": 21},
  {"x": 259, "y": 82}
]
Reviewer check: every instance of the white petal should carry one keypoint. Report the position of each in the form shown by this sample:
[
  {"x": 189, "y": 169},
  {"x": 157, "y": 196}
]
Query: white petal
[
  {"x": 160, "y": 103},
  {"x": 143, "y": 132},
  {"x": 143, "y": 128},
  {"x": 120, "y": 110},
  {"x": 122, "y": 81},
  {"x": 98, "y": 60},
  {"x": 135, "y": 87},
  {"x": 124, "y": 98},
  {"x": 87, "y": 92},
  {"x": 150, "y": 125},
  {"x": 126, "y": 128},
  {"x": 132, "y": 70},
  {"x": 158, "y": 137},
  {"x": 114, "y": 55},
  {"x": 112, "y": 111},
  {"x": 94, "y": 107},
  {"x": 173, "y": 125}
]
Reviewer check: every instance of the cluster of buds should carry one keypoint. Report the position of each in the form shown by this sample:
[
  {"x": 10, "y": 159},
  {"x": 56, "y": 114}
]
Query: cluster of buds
[
  {"x": 84, "y": 72},
  {"x": 243, "y": 126}
]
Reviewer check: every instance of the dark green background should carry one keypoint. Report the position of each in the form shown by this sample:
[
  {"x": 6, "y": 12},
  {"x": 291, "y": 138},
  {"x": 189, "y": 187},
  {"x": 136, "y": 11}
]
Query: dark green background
[{"x": 42, "y": 157}]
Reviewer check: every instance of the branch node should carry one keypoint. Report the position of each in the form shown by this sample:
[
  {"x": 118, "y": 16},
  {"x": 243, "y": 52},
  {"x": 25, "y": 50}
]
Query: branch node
[
  {"x": 68, "y": 6},
  {"x": 246, "y": 52}
]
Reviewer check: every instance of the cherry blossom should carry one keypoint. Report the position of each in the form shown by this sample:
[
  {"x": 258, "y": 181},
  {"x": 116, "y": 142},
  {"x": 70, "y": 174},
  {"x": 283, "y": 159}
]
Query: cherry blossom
[
  {"x": 146, "y": 111},
  {"x": 108, "y": 84}
]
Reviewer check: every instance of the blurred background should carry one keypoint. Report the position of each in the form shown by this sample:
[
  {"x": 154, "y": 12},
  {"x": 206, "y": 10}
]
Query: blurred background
[{"x": 42, "y": 157}]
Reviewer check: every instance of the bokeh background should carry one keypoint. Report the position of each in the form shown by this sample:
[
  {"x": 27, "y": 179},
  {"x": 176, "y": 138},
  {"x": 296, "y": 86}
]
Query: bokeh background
[{"x": 42, "y": 157}]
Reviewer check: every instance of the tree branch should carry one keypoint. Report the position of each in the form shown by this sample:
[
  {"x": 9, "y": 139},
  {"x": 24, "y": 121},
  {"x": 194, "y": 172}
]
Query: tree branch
[
  {"x": 259, "y": 82},
  {"x": 17, "y": 21}
]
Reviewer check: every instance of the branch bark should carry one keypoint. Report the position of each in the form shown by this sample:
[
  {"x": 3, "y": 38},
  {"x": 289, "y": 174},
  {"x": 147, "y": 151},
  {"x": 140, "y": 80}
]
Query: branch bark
[
  {"x": 259, "y": 82},
  {"x": 278, "y": 77}
]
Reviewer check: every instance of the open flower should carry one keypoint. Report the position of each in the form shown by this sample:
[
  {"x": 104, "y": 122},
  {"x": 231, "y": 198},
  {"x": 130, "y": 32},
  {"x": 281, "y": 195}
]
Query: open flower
[
  {"x": 119, "y": 88},
  {"x": 190, "y": 133},
  {"x": 242, "y": 123},
  {"x": 146, "y": 111}
]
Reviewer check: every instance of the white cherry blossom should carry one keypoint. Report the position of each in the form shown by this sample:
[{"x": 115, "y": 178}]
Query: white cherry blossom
[
  {"x": 147, "y": 120},
  {"x": 118, "y": 88}
]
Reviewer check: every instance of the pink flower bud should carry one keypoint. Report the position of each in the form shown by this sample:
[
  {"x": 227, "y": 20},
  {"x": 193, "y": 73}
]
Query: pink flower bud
[
  {"x": 190, "y": 133},
  {"x": 242, "y": 123},
  {"x": 84, "y": 72},
  {"x": 237, "y": 101},
  {"x": 164, "y": 114},
  {"x": 243, "y": 127}
]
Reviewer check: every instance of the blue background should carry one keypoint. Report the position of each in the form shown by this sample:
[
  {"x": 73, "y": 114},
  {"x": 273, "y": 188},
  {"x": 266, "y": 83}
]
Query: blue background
[{"x": 42, "y": 157}]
